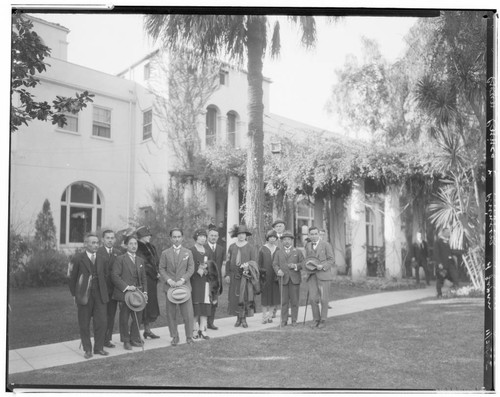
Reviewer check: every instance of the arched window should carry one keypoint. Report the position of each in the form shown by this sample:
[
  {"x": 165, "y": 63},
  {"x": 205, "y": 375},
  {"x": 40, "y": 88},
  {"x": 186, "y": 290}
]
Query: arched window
[
  {"x": 232, "y": 118},
  {"x": 81, "y": 212},
  {"x": 211, "y": 126}
]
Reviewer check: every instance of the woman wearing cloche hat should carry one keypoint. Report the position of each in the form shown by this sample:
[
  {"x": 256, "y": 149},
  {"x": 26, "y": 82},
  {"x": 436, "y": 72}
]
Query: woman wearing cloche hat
[
  {"x": 239, "y": 255},
  {"x": 147, "y": 251},
  {"x": 270, "y": 297}
]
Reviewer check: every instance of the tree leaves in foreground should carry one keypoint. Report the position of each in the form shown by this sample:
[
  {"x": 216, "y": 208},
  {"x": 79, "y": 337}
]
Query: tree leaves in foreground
[{"x": 28, "y": 53}]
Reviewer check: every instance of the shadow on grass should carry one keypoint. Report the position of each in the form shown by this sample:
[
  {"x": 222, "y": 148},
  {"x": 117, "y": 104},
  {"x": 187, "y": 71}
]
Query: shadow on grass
[{"x": 413, "y": 346}]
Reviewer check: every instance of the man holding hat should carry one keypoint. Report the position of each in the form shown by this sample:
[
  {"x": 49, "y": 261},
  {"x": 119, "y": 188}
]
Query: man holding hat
[
  {"x": 176, "y": 269},
  {"x": 318, "y": 263},
  {"x": 87, "y": 283},
  {"x": 129, "y": 274},
  {"x": 287, "y": 264}
]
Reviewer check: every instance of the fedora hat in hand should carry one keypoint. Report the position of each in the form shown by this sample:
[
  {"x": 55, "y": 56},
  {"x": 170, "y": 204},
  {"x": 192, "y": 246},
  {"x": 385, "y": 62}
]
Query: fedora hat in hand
[
  {"x": 179, "y": 294},
  {"x": 135, "y": 300},
  {"x": 311, "y": 263}
]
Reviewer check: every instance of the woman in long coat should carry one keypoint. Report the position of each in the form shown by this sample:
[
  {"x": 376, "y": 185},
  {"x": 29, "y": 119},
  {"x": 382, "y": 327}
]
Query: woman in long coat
[
  {"x": 240, "y": 256},
  {"x": 147, "y": 251},
  {"x": 200, "y": 292},
  {"x": 270, "y": 298}
]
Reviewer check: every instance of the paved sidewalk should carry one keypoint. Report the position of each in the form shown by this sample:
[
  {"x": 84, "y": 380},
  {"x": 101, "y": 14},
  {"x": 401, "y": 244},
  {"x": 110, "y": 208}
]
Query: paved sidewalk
[{"x": 46, "y": 356}]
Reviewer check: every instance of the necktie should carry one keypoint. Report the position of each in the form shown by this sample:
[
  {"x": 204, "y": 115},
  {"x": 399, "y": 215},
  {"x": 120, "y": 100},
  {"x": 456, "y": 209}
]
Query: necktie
[
  {"x": 287, "y": 251},
  {"x": 92, "y": 258},
  {"x": 109, "y": 252},
  {"x": 314, "y": 246},
  {"x": 213, "y": 248}
]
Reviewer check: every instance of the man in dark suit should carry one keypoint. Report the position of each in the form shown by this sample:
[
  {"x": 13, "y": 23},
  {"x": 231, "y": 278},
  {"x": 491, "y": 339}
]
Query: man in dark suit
[
  {"x": 216, "y": 254},
  {"x": 319, "y": 280},
  {"x": 287, "y": 264},
  {"x": 419, "y": 257},
  {"x": 129, "y": 274},
  {"x": 176, "y": 269},
  {"x": 106, "y": 255},
  {"x": 87, "y": 284},
  {"x": 445, "y": 262}
]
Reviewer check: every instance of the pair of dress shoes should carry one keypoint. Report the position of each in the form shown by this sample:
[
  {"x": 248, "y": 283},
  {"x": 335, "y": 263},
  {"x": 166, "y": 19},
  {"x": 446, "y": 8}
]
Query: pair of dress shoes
[
  {"x": 128, "y": 345},
  {"x": 318, "y": 324},
  {"x": 88, "y": 355},
  {"x": 149, "y": 334}
]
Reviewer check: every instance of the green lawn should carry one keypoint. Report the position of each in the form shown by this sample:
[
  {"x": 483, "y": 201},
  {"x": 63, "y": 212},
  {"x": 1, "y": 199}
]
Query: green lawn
[
  {"x": 412, "y": 346},
  {"x": 48, "y": 315}
]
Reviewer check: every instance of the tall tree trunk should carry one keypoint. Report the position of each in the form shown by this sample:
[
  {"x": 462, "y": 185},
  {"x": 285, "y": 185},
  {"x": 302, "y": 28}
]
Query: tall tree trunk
[
  {"x": 392, "y": 231},
  {"x": 278, "y": 207},
  {"x": 254, "y": 197},
  {"x": 358, "y": 230}
]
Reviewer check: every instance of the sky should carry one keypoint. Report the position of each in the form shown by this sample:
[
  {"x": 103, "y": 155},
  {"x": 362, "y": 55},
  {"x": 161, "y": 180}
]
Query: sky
[{"x": 302, "y": 79}]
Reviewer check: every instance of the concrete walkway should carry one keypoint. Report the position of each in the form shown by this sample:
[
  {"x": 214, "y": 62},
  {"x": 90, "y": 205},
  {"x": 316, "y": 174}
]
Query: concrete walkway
[{"x": 46, "y": 356}]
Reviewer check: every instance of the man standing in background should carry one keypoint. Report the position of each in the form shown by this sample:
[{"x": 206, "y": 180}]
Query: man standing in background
[
  {"x": 216, "y": 254},
  {"x": 107, "y": 254}
]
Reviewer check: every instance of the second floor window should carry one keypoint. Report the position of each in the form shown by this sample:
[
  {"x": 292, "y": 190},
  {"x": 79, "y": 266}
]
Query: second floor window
[
  {"x": 211, "y": 126},
  {"x": 231, "y": 129},
  {"x": 147, "y": 124},
  {"x": 101, "y": 125},
  {"x": 71, "y": 122}
]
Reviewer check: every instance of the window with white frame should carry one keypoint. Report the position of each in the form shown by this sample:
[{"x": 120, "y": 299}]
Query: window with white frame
[
  {"x": 147, "y": 124},
  {"x": 147, "y": 71},
  {"x": 211, "y": 126},
  {"x": 223, "y": 77},
  {"x": 71, "y": 122},
  {"x": 81, "y": 212},
  {"x": 101, "y": 125},
  {"x": 231, "y": 128}
]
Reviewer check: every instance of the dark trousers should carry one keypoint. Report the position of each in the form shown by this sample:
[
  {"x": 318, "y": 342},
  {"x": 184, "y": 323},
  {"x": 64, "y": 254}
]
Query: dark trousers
[
  {"x": 112, "y": 304},
  {"x": 210, "y": 319},
  {"x": 129, "y": 332},
  {"x": 290, "y": 298},
  {"x": 187, "y": 313},
  {"x": 96, "y": 310},
  {"x": 450, "y": 274},
  {"x": 423, "y": 263},
  {"x": 319, "y": 292}
]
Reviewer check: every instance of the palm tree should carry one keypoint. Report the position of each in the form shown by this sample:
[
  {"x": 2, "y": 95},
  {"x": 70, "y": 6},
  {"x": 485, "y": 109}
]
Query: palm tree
[{"x": 240, "y": 37}]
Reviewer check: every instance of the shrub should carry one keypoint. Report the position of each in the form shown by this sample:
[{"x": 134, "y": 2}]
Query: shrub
[
  {"x": 20, "y": 250},
  {"x": 44, "y": 268},
  {"x": 45, "y": 230}
]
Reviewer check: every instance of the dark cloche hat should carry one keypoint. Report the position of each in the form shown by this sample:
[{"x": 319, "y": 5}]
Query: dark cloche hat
[{"x": 143, "y": 231}]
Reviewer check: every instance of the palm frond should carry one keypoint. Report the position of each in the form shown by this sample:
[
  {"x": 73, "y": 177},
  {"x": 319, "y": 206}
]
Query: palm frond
[{"x": 276, "y": 40}]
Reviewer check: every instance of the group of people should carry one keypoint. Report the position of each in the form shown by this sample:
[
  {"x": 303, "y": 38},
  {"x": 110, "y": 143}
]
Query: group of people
[
  {"x": 443, "y": 256},
  {"x": 103, "y": 280}
]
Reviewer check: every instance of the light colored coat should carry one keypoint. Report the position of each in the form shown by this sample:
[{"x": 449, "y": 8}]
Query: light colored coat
[{"x": 173, "y": 269}]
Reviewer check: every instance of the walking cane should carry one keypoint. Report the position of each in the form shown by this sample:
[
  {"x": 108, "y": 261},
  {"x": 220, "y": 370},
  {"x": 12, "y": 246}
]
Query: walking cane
[
  {"x": 305, "y": 311},
  {"x": 138, "y": 330},
  {"x": 281, "y": 300}
]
